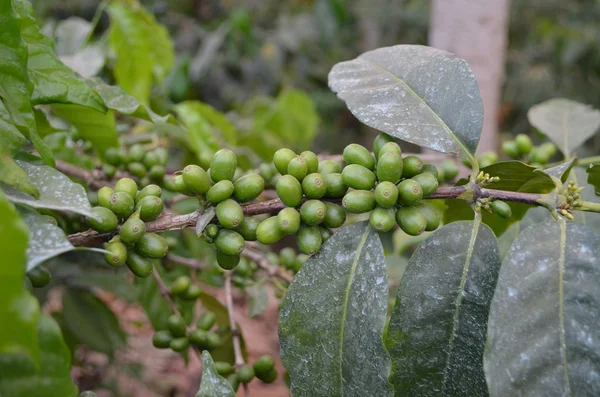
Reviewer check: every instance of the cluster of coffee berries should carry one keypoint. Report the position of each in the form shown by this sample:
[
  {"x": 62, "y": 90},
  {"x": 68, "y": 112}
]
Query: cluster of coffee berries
[
  {"x": 288, "y": 259},
  {"x": 497, "y": 207},
  {"x": 132, "y": 245},
  {"x": 138, "y": 161},
  {"x": 263, "y": 369},
  {"x": 522, "y": 149},
  {"x": 178, "y": 337}
]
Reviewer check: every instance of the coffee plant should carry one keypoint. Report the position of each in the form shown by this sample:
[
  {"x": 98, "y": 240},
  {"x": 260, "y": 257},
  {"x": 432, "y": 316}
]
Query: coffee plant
[{"x": 101, "y": 195}]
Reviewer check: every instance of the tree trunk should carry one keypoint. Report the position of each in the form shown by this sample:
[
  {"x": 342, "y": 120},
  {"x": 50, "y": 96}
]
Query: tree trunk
[{"x": 477, "y": 31}]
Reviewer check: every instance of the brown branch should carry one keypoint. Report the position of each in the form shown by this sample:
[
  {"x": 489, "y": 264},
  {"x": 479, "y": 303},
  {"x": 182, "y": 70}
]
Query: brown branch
[
  {"x": 164, "y": 291},
  {"x": 95, "y": 179},
  {"x": 187, "y": 262},
  {"x": 237, "y": 348},
  {"x": 261, "y": 261}
]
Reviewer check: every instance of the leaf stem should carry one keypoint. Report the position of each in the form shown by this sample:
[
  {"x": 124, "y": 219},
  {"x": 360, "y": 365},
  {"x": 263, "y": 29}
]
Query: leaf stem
[{"x": 588, "y": 206}]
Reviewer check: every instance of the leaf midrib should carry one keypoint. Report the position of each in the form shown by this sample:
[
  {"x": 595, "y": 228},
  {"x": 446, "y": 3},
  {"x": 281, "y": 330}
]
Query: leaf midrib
[
  {"x": 346, "y": 298},
  {"x": 561, "y": 307},
  {"x": 421, "y": 100}
]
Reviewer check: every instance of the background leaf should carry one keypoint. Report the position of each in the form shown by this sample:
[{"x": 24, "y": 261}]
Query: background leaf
[
  {"x": 332, "y": 318},
  {"x": 542, "y": 334},
  {"x": 57, "y": 191},
  {"x": 593, "y": 177},
  {"x": 258, "y": 299},
  {"x": 567, "y": 123},
  {"x": 14, "y": 175},
  {"x": 436, "y": 335},
  {"x": 212, "y": 384},
  {"x": 19, "y": 377},
  {"x": 419, "y": 94}
]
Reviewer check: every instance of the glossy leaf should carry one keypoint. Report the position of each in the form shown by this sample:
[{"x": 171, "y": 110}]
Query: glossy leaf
[
  {"x": 543, "y": 325},
  {"x": 200, "y": 130},
  {"x": 593, "y": 177},
  {"x": 561, "y": 171},
  {"x": 567, "y": 123},
  {"x": 18, "y": 308},
  {"x": 204, "y": 219},
  {"x": 332, "y": 318},
  {"x": 436, "y": 335},
  {"x": 57, "y": 191},
  {"x": 91, "y": 322},
  {"x": 591, "y": 219},
  {"x": 419, "y": 94},
  {"x": 212, "y": 384},
  {"x": 11, "y": 139},
  {"x": 53, "y": 81},
  {"x": 258, "y": 299},
  {"x": 20, "y": 377},
  {"x": 12, "y": 174}
]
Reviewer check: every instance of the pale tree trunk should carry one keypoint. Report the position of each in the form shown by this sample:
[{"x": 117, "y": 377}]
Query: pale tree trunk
[{"x": 477, "y": 31}]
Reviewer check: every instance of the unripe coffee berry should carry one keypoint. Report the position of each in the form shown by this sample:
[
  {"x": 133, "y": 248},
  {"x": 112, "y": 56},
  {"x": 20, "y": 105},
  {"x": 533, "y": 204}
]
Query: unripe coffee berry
[
  {"x": 313, "y": 186},
  {"x": 127, "y": 185},
  {"x": 289, "y": 191},
  {"x": 136, "y": 153},
  {"x": 411, "y": 221},
  {"x": 358, "y": 177},
  {"x": 412, "y": 166},
  {"x": 450, "y": 169},
  {"x": 39, "y": 277},
  {"x": 207, "y": 320},
  {"x": 282, "y": 158},
  {"x": 224, "y": 368},
  {"x": 112, "y": 157},
  {"x": 248, "y": 227},
  {"x": 229, "y": 242},
  {"x": 211, "y": 230},
  {"x": 223, "y": 165},
  {"x": 104, "y": 196},
  {"x": 263, "y": 364},
  {"x": 298, "y": 168},
  {"x": 359, "y": 201},
  {"x": 103, "y": 220},
  {"x": 312, "y": 161},
  {"x": 379, "y": 141},
  {"x": 390, "y": 147},
  {"x": 325, "y": 233},
  {"x": 150, "y": 160},
  {"x": 227, "y": 262},
  {"x": 287, "y": 257},
  {"x": 288, "y": 220},
  {"x": 335, "y": 216},
  {"x": 196, "y": 179},
  {"x": 524, "y": 144},
  {"x": 313, "y": 212},
  {"x": 132, "y": 230},
  {"x": 248, "y": 187},
  {"x": 501, "y": 209},
  {"x": 150, "y": 190},
  {"x": 220, "y": 191},
  {"x": 162, "y": 339},
  {"x": 409, "y": 192},
  {"x": 150, "y": 208},
  {"x": 157, "y": 172},
  {"x": 428, "y": 183},
  {"x": 229, "y": 213},
  {"x": 179, "y": 344},
  {"x": 139, "y": 265},
  {"x": 329, "y": 167},
  {"x": 180, "y": 285},
  {"x": 117, "y": 253},
  {"x": 389, "y": 167},
  {"x": 245, "y": 373},
  {"x": 137, "y": 169},
  {"x": 122, "y": 204},
  {"x": 335, "y": 186},
  {"x": 309, "y": 239},
  {"x": 152, "y": 245},
  {"x": 268, "y": 231},
  {"x": 192, "y": 293},
  {"x": 176, "y": 325},
  {"x": 431, "y": 216},
  {"x": 358, "y": 154},
  {"x": 386, "y": 194},
  {"x": 383, "y": 219},
  {"x": 430, "y": 169}
]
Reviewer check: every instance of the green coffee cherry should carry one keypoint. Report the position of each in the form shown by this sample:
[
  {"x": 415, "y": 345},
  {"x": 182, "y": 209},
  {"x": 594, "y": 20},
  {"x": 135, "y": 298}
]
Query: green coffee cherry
[
  {"x": 309, "y": 239},
  {"x": 359, "y": 201},
  {"x": 413, "y": 165},
  {"x": 313, "y": 212},
  {"x": 139, "y": 265},
  {"x": 248, "y": 227},
  {"x": 298, "y": 168},
  {"x": 549, "y": 148},
  {"x": 109, "y": 170},
  {"x": 430, "y": 169},
  {"x": 162, "y": 339},
  {"x": 127, "y": 185},
  {"x": 104, "y": 220},
  {"x": 268, "y": 231},
  {"x": 282, "y": 158},
  {"x": 229, "y": 213},
  {"x": 211, "y": 230},
  {"x": 511, "y": 149},
  {"x": 538, "y": 156},
  {"x": 227, "y": 262},
  {"x": 136, "y": 153},
  {"x": 179, "y": 344},
  {"x": 409, "y": 192},
  {"x": 213, "y": 341},
  {"x": 176, "y": 325},
  {"x": 50, "y": 219},
  {"x": 383, "y": 219},
  {"x": 39, "y": 277},
  {"x": 431, "y": 216},
  {"x": 137, "y": 169},
  {"x": 150, "y": 208},
  {"x": 428, "y": 183},
  {"x": 389, "y": 167},
  {"x": 229, "y": 242},
  {"x": 358, "y": 177},
  {"x": 121, "y": 204},
  {"x": 223, "y": 165},
  {"x": 524, "y": 144},
  {"x": 220, "y": 191},
  {"x": 104, "y": 196},
  {"x": 269, "y": 377},
  {"x": 207, "y": 320},
  {"x": 263, "y": 364},
  {"x": 450, "y": 169},
  {"x": 389, "y": 147},
  {"x": 248, "y": 187},
  {"x": 501, "y": 208},
  {"x": 196, "y": 179},
  {"x": 245, "y": 373},
  {"x": 358, "y": 154},
  {"x": 334, "y": 185},
  {"x": 150, "y": 190},
  {"x": 192, "y": 293},
  {"x": 204, "y": 157},
  {"x": 224, "y": 368},
  {"x": 288, "y": 220},
  {"x": 287, "y": 257},
  {"x": 267, "y": 171},
  {"x": 180, "y": 285},
  {"x": 325, "y": 233},
  {"x": 386, "y": 194},
  {"x": 243, "y": 268},
  {"x": 132, "y": 230},
  {"x": 289, "y": 191},
  {"x": 233, "y": 381},
  {"x": 162, "y": 154},
  {"x": 312, "y": 161},
  {"x": 198, "y": 338},
  {"x": 411, "y": 221},
  {"x": 150, "y": 159},
  {"x": 157, "y": 172},
  {"x": 313, "y": 186},
  {"x": 152, "y": 245},
  {"x": 379, "y": 141},
  {"x": 487, "y": 159},
  {"x": 329, "y": 167},
  {"x": 112, "y": 157},
  {"x": 118, "y": 253},
  {"x": 335, "y": 216},
  {"x": 300, "y": 261}
]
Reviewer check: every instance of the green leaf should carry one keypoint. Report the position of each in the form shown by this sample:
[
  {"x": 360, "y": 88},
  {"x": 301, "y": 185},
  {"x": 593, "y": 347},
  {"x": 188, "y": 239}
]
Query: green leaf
[
  {"x": 53, "y": 81},
  {"x": 199, "y": 129},
  {"x": 156, "y": 307},
  {"x": 14, "y": 175},
  {"x": 204, "y": 219},
  {"x": 567, "y": 123},
  {"x": 18, "y": 308},
  {"x": 560, "y": 172},
  {"x": 258, "y": 299},
  {"x": 436, "y": 335},
  {"x": 52, "y": 378},
  {"x": 543, "y": 330},
  {"x": 332, "y": 318},
  {"x": 57, "y": 191},
  {"x": 421, "y": 95},
  {"x": 11, "y": 138},
  {"x": 99, "y": 128},
  {"x": 212, "y": 384},
  {"x": 593, "y": 177},
  {"x": 92, "y": 322}
]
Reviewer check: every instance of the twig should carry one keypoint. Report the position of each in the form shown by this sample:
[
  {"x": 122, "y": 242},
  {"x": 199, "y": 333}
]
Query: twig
[
  {"x": 164, "y": 291},
  {"x": 235, "y": 334},
  {"x": 95, "y": 179},
  {"x": 187, "y": 262},
  {"x": 262, "y": 262}
]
